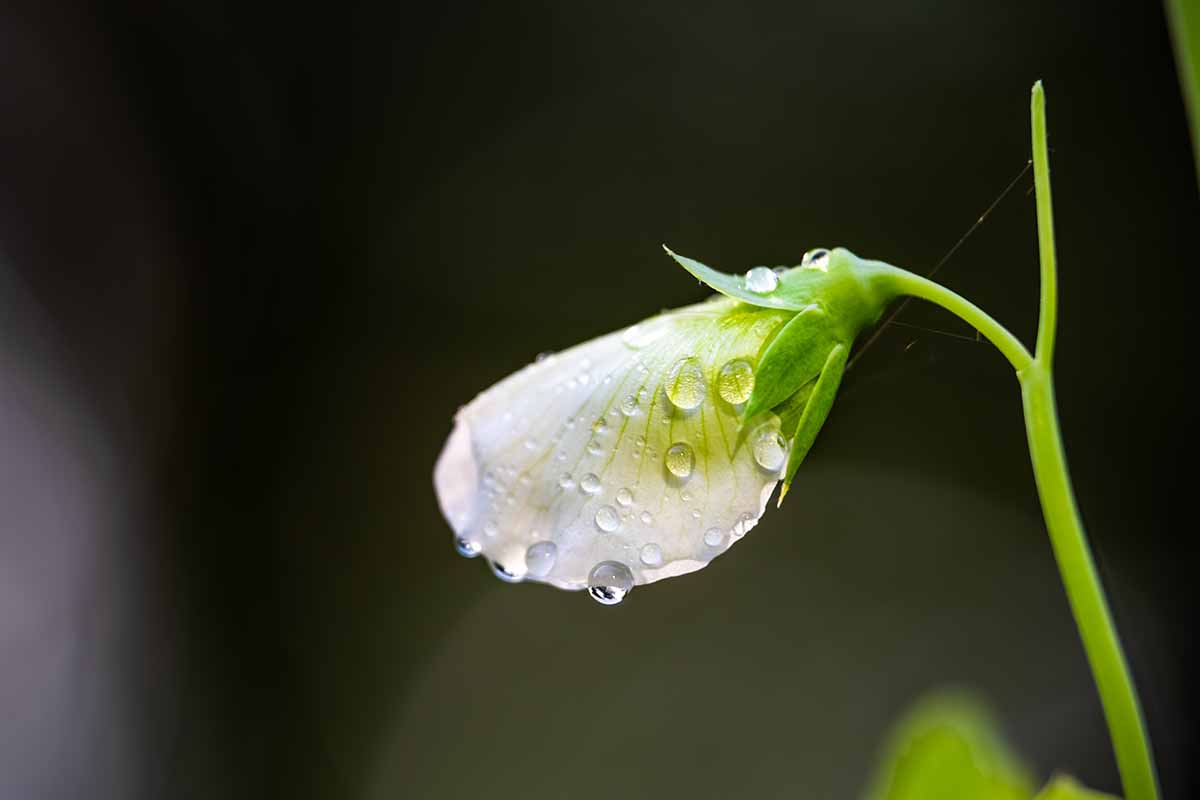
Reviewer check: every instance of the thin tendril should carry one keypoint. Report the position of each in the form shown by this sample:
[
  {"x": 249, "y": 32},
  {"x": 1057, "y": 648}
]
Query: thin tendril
[{"x": 891, "y": 318}]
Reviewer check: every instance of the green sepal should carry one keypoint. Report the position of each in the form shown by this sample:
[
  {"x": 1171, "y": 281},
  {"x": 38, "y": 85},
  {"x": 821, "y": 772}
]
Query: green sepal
[
  {"x": 734, "y": 285},
  {"x": 816, "y": 411},
  {"x": 851, "y": 290},
  {"x": 793, "y": 358},
  {"x": 1064, "y": 787},
  {"x": 949, "y": 748}
]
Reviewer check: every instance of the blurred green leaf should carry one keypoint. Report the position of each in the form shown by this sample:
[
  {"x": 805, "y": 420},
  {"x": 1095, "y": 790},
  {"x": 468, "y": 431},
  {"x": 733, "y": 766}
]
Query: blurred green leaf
[
  {"x": 1064, "y": 787},
  {"x": 948, "y": 748}
]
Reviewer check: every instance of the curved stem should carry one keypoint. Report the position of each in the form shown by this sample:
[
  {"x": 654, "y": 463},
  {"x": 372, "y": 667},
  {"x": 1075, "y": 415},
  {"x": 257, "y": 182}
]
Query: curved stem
[
  {"x": 1127, "y": 729},
  {"x": 899, "y": 281}
]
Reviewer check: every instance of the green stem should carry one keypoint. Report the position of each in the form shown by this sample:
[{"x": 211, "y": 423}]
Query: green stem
[{"x": 1084, "y": 592}]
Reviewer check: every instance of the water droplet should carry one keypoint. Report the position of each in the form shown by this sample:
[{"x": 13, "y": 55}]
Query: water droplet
[
  {"x": 629, "y": 406},
  {"x": 685, "y": 384},
  {"x": 770, "y": 448},
  {"x": 713, "y": 537},
  {"x": 625, "y": 497},
  {"x": 590, "y": 484},
  {"x": 761, "y": 280},
  {"x": 506, "y": 575},
  {"x": 594, "y": 448},
  {"x": 490, "y": 529},
  {"x": 685, "y": 496},
  {"x": 735, "y": 383},
  {"x": 652, "y": 555},
  {"x": 467, "y": 547},
  {"x": 647, "y": 518},
  {"x": 744, "y": 523},
  {"x": 607, "y": 519},
  {"x": 696, "y": 513},
  {"x": 531, "y": 444},
  {"x": 544, "y": 355},
  {"x": 599, "y": 426},
  {"x": 816, "y": 259},
  {"x": 639, "y": 441},
  {"x": 680, "y": 460},
  {"x": 565, "y": 481},
  {"x": 540, "y": 558},
  {"x": 609, "y": 582}
]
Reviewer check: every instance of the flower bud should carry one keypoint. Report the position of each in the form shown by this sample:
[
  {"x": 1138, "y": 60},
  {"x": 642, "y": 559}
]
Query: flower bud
[{"x": 646, "y": 453}]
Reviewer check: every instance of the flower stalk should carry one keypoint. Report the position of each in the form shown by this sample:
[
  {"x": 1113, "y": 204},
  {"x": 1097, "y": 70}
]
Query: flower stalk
[{"x": 1110, "y": 669}]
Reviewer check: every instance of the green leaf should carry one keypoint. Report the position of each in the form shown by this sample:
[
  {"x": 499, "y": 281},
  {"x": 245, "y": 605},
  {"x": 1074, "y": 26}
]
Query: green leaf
[
  {"x": 1064, "y": 787},
  {"x": 948, "y": 748},
  {"x": 793, "y": 358}
]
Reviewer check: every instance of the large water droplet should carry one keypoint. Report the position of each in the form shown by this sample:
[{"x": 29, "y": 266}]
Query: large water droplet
[
  {"x": 816, "y": 259},
  {"x": 540, "y": 558},
  {"x": 770, "y": 448},
  {"x": 685, "y": 384},
  {"x": 609, "y": 582},
  {"x": 761, "y": 280},
  {"x": 590, "y": 484},
  {"x": 467, "y": 547},
  {"x": 506, "y": 575},
  {"x": 625, "y": 497},
  {"x": 735, "y": 383},
  {"x": 680, "y": 460},
  {"x": 713, "y": 537},
  {"x": 652, "y": 555},
  {"x": 607, "y": 519}
]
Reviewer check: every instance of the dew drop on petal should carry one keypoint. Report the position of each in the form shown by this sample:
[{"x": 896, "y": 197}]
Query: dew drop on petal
[
  {"x": 742, "y": 526},
  {"x": 599, "y": 426},
  {"x": 770, "y": 448},
  {"x": 609, "y": 582},
  {"x": 490, "y": 529},
  {"x": 590, "y": 484},
  {"x": 629, "y": 406},
  {"x": 625, "y": 497},
  {"x": 816, "y": 259},
  {"x": 540, "y": 558},
  {"x": 713, "y": 537},
  {"x": 506, "y": 575},
  {"x": 544, "y": 355},
  {"x": 685, "y": 384},
  {"x": 467, "y": 547},
  {"x": 607, "y": 519},
  {"x": 565, "y": 481},
  {"x": 651, "y": 555},
  {"x": 735, "y": 383},
  {"x": 594, "y": 448},
  {"x": 761, "y": 280},
  {"x": 680, "y": 460},
  {"x": 647, "y": 518}
]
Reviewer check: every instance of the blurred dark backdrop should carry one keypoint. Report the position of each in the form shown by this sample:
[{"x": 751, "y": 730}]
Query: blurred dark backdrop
[{"x": 252, "y": 259}]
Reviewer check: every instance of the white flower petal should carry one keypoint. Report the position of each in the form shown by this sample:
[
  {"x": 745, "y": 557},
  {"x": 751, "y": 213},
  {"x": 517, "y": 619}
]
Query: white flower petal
[{"x": 573, "y": 451}]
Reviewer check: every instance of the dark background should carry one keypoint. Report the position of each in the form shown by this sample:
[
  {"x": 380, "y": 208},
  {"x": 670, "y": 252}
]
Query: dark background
[{"x": 252, "y": 259}]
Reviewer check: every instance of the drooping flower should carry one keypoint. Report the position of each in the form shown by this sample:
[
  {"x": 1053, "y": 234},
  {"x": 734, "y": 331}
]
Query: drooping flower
[{"x": 646, "y": 453}]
